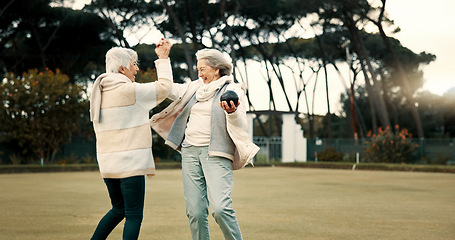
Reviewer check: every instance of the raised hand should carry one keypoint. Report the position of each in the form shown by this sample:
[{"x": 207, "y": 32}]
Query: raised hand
[{"x": 163, "y": 47}]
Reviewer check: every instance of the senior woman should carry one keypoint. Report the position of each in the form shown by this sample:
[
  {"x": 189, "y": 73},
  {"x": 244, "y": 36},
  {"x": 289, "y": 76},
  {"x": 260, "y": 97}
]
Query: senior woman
[
  {"x": 119, "y": 109},
  {"x": 212, "y": 138}
]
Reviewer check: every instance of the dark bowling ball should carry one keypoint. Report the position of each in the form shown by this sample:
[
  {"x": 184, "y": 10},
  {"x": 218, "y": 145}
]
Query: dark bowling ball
[{"x": 229, "y": 96}]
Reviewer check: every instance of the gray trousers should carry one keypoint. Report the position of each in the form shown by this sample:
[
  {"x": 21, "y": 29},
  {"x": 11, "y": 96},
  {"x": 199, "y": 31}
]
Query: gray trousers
[{"x": 208, "y": 180}]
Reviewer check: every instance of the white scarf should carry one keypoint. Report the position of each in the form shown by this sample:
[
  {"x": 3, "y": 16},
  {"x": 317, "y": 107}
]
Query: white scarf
[
  {"x": 105, "y": 82},
  {"x": 207, "y": 91}
]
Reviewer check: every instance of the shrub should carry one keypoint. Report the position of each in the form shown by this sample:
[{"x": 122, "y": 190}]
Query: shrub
[
  {"x": 390, "y": 146},
  {"x": 441, "y": 158},
  {"x": 87, "y": 158},
  {"x": 330, "y": 155},
  {"x": 15, "y": 159},
  {"x": 39, "y": 111}
]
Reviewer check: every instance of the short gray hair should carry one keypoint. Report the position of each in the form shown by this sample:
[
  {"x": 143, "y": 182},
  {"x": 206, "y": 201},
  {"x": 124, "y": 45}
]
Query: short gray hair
[
  {"x": 118, "y": 57},
  {"x": 215, "y": 59}
]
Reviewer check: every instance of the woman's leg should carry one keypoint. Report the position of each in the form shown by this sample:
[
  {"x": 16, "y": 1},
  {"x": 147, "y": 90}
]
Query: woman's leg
[
  {"x": 220, "y": 182},
  {"x": 195, "y": 192},
  {"x": 133, "y": 189},
  {"x": 115, "y": 215}
]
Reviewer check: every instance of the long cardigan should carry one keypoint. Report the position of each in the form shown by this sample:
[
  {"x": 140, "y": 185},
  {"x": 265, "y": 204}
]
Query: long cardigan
[
  {"x": 245, "y": 150},
  {"x": 123, "y": 134}
]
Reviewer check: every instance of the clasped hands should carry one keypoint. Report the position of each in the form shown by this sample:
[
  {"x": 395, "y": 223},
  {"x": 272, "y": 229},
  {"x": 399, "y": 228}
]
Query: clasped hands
[{"x": 163, "y": 47}]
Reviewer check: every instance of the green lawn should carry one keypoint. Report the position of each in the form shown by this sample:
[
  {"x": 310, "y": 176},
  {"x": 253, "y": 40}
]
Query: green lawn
[{"x": 270, "y": 203}]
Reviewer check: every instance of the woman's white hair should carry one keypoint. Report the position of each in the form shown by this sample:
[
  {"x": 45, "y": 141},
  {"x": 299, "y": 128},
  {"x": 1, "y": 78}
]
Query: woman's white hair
[
  {"x": 215, "y": 59},
  {"x": 118, "y": 57}
]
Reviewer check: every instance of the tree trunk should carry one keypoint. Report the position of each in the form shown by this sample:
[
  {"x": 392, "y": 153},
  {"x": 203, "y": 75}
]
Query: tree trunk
[
  {"x": 266, "y": 59},
  {"x": 351, "y": 114},
  {"x": 118, "y": 32},
  {"x": 6, "y": 6},
  {"x": 242, "y": 56},
  {"x": 324, "y": 61},
  {"x": 383, "y": 114},
  {"x": 191, "y": 25},
  {"x": 404, "y": 80},
  {"x": 181, "y": 32},
  {"x": 229, "y": 33},
  {"x": 207, "y": 20},
  {"x": 371, "y": 96},
  {"x": 389, "y": 103}
]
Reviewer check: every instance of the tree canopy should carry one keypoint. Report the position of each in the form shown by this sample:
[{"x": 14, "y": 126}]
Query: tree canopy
[
  {"x": 39, "y": 112},
  {"x": 296, "y": 44}
]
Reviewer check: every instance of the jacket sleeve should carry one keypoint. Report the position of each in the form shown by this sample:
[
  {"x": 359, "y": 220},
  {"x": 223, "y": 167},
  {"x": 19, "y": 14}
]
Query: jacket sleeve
[
  {"x": 178, "y": 89},
  {"x": 238, "y": 118},
  {"x": 164, "y": 83},
  {"x": 149, "y": 95}
]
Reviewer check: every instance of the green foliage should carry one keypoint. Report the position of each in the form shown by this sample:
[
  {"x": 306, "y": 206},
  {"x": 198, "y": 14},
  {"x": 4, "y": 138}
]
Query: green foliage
[
  {"x": 15, "y": 159},
  {"x": 390, "y": 146},
  {"x": 340, "y": 127},
  {"x": 268, "y": 125},
  {"x": 330, "y": 155},
  {"x": 39, "y": 111},
  {"x": 39, "y": 34},
  {"x": 88, "y": 159},
  {"x": 146, "y": 76},
  {"x": 441, "y": 158},
  {"x": 436, "y": 112},
  {"x": 447, "y": 107},
  {"x": 70, "y": 159}
]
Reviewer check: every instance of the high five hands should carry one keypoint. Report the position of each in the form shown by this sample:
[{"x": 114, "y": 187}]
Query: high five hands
[{"x": 163, "y": 47}]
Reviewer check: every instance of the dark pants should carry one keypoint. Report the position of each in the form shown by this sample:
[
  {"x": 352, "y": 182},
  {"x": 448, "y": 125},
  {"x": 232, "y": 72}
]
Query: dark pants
[{"x": 127, "y": 199}]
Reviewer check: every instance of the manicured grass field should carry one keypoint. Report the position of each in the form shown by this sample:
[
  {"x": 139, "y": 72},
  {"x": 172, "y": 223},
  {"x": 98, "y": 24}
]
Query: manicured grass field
[{"x": 270, "y": 202}]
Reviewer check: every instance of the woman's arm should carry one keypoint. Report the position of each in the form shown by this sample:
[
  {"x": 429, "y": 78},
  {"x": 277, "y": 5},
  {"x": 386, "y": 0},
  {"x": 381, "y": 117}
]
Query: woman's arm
[
  {"x": 178, "y": 89},
  {"x": 237, "y": 115},
  {"x": 151, "y": 94}
]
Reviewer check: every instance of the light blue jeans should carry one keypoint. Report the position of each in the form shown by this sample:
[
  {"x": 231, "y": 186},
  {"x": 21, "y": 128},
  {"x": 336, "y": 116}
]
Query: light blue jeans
[{"x": 208, "y": 180}]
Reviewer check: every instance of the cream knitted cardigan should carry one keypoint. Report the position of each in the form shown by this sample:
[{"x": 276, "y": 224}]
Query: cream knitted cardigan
[{"x": 120, "y": 112}]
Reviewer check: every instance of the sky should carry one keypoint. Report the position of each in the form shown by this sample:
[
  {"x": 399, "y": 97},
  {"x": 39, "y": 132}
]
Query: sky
[
  {"x": 428, "y": 26},
  {"x": 425, "y": 26}
]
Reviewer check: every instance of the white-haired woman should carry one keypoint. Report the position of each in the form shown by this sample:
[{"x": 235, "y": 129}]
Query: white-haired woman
[
  {"x": 119, "y": 109},
  {"x": 212, "y": 138}
]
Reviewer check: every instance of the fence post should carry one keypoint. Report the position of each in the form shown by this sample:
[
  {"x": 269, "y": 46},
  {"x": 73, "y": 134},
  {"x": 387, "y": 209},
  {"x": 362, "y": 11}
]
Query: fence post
[{"x": 422, "y": 147}]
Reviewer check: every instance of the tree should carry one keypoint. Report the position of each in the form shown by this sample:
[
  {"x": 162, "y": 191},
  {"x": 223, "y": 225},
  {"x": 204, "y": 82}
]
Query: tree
[
  {"x": 355, "y": 15},
  {"x": 394, "y": 91},
  {"x": 35, "y": 35},
  {"x": 448, "y": 104},
  {"x": 431, "y": 111},
  {"x": 181, "y": 33},
  {"x": 39, "y": 111},
  {"x": 360, "y": 108},
  {"x": 404, "y": 80},
  {"x": 121, "y": 15},
  {"x": 268, "y": 32}
]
